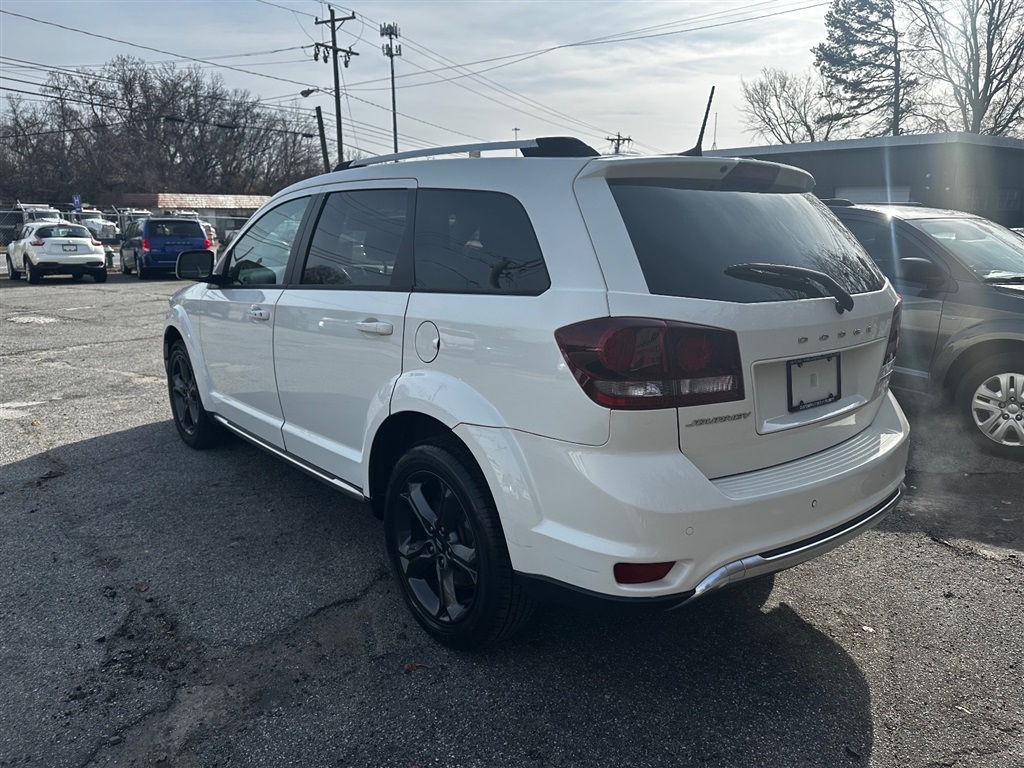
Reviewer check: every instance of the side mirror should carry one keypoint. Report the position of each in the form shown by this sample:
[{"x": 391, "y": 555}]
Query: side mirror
[
  {"x": 913, "y": 269},
  {"x": 194, "y": 265}
]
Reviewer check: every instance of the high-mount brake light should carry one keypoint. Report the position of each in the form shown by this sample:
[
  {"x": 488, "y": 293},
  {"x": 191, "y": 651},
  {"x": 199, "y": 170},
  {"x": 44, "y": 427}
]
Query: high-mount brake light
[
  {"x": 638, "y": 363},
  {"x": 748, "y": 176}
]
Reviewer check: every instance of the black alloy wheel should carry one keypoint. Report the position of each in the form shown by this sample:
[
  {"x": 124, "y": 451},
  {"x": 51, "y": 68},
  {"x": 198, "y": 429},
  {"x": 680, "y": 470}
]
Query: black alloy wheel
[
  {"x": 193, "y": 423},
  {"x": 32, "y": 273},
  {"x": 448, "y": 550}
]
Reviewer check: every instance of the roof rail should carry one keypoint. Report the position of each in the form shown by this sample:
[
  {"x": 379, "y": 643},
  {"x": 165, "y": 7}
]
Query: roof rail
[
  {"x": 837, "y": 202},
  {"x": 549, "y": 146}
]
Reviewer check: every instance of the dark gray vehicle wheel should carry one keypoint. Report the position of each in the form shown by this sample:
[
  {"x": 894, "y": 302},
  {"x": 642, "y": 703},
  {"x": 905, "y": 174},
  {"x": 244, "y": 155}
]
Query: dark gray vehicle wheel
[
  {"x": 124, "y": 266},
  {"x": 193, "y": 423},
  {"x": 990, "y": 404},
  {"x": 99, "y": 275},
  {"x": 140, "y": 268},
  {"x": 448, "y": 551},
  {"x": 32, "y": 272},
  {"x": 12, "y": 273},
  {"x": 77, "y": 276}
]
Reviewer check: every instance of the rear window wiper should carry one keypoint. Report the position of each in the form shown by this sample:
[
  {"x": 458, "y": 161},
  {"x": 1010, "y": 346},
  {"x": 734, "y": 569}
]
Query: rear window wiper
[{"x": 794, "y": 278}]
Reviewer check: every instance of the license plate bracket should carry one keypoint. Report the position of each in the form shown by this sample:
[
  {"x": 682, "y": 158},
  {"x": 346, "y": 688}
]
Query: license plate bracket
[
  {"x": 69, "y": 248},
  {"x": 813, "y": 381}
]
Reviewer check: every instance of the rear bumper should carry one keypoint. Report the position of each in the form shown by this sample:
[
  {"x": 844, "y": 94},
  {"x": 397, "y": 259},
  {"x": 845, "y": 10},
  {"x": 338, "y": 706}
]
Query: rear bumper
[
  {"x": 595, "y": 506},
  {"x": 731, "y": 573},
  {"x": 70, "y": 264}
]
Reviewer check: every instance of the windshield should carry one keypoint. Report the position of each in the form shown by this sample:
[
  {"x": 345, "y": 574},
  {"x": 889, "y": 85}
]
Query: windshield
[
  {"x": 91, "y": 215},
  {"x": 990, "y": 251},
  {"x": 692, "y": 242}
]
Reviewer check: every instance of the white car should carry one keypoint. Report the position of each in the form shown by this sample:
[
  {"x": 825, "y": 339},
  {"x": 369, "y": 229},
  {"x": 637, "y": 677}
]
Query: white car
[
  {"x": 55, "y": 248},
  {"x": 629, "y": 380}
]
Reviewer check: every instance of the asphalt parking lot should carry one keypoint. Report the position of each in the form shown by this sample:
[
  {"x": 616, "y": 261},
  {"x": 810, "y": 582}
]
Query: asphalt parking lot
[{"x": 160, "y": 606}]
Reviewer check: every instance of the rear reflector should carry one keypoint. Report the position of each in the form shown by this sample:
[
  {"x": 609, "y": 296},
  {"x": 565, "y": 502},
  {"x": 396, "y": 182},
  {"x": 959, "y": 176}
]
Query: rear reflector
[
  {"x": 641, "y": 573},
  {"x": 638, "y": 363}
]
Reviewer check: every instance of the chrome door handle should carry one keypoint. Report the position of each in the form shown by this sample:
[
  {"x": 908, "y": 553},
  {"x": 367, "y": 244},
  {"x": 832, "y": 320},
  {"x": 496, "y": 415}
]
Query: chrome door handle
[
  {"x": 373, "y": 325},
  {"x": 258, "y": 313}
]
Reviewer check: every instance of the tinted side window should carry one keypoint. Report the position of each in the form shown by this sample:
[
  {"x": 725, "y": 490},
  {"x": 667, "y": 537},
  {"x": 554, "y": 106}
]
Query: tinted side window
[
  {"x": 685, "y": 238},
  {"x": 885, "y": 245},
  {"x": 357, "y": 239},
  {"x": 476, "y": 242},
  {"x": 260, "y": 256}
]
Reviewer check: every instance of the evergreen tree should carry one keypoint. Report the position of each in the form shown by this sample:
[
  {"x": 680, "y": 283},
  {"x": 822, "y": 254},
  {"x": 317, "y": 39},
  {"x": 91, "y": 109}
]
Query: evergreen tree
[{"x": 863, "y": 60}]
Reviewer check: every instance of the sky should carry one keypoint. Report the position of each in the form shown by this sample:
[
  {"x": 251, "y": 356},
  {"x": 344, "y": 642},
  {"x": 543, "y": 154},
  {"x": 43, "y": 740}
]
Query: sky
[{"x": 584, "y": 68}]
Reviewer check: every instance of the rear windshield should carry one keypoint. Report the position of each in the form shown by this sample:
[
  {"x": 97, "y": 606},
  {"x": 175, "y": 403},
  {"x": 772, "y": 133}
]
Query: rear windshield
[
  {"x": 685, "y": 239},
  {"x": 176, "y": 229},
  {"x": 64, "y": 230}
]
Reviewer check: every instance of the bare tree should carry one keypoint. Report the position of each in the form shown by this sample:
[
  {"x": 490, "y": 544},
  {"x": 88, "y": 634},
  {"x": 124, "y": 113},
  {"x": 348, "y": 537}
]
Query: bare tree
[
  {"x": 974, "y": 51},
  {"x": 790, "y": 108}
]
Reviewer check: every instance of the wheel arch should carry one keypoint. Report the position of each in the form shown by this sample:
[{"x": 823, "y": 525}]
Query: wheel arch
[{"x": 975, "y": 354}]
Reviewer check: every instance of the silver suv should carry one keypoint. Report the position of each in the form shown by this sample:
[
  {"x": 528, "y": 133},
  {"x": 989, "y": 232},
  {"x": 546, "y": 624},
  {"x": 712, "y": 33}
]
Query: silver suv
[{"x": 614, "y": 379}]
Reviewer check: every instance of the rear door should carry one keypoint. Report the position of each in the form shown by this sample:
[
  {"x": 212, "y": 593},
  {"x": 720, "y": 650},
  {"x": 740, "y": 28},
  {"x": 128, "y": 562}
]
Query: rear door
[
  {"x": 886, "y": 241},
  {"x": 680, "y": 244},
  {"x": 236, "y": 321},
  {"x": 339, "y": 325}
]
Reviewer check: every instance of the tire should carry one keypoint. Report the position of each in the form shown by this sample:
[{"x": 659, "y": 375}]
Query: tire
[
  {"x": 990, "y": 404},
  {"x": 140, "y": 268},
  {"x": 32, "y": 273},
  {"x": 124, "y": 266},
  {"x": 441, "y": 527},
  {"x": 12, "y": 273},
  {"x": 99, "y": 275},
  {"x": 194, "y": 425},
  {"x": 77, "y": 276}
]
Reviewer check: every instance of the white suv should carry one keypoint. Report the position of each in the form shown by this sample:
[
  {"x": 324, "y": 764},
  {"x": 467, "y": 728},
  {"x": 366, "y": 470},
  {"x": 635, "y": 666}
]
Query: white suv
[{"x": 623, "y": 379}]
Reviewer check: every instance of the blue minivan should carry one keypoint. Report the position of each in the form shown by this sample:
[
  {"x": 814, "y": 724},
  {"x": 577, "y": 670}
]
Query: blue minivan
[{"x": 153, "y": 244}]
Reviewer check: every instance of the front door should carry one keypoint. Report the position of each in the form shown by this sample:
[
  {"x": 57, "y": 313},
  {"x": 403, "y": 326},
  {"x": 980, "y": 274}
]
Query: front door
[
  {"x": 338, "y": 332},
  {"x": 236, "y": 325}
]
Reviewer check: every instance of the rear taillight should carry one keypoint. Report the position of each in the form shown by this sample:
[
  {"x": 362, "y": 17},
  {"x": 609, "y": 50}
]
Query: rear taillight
[
  {"x": 38, "y": 242},
  {"x": 145, "y": 243},
  {"x": 206, "y": 243},
  {"x": 889, "y": 362},
  {"x": 96, "y": 242},
  {"x": 894, "y": 331},
  {"x": 638, "y": 363}
]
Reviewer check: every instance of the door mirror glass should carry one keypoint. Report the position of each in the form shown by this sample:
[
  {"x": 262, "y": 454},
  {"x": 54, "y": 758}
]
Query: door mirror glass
[{"x": 194, "y": 265}]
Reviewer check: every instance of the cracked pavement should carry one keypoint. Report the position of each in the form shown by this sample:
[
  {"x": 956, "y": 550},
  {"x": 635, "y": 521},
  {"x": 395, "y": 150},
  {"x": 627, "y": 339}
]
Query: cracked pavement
[{"x": 160, "y": 606}]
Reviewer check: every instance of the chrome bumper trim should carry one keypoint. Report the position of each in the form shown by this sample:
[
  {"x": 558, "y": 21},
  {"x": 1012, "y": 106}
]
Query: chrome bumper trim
[{"x": 780, "y": 559}]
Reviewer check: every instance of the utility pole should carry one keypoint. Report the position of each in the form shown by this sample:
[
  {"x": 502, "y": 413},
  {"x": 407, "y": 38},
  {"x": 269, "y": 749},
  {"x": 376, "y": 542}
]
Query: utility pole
[
  {"x": 618, "y": 140},
  {"x": 516, "y": 132},
  {"x": 347, "y": 53},
  {"x": 323, "y": 139},
  {"x": 389, "y": 49}
]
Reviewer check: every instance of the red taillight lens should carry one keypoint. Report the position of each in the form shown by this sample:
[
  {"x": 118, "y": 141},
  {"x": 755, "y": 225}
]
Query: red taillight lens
[
  {"x": 641, "y": 573},
  {"x": 894, "y": 332},
  {"x": 96, "y": 242},
  {"x": 145, "y": 243},
  {"x": 38, "y": 242},
  {"x": 206, "y": 243},
  {"x": 637, "y": 363}
]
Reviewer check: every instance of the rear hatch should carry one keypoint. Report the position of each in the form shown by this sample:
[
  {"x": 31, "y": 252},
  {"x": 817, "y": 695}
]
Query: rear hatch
[
  {"x": 168, "y": 238},
  {"x": 763, "y": 321},
  {"x": 62, "y": 240}
]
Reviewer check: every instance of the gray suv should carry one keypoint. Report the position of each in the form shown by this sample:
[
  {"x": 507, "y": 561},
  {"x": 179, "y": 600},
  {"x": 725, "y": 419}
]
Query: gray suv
[{"x": 962, "y": 282}]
